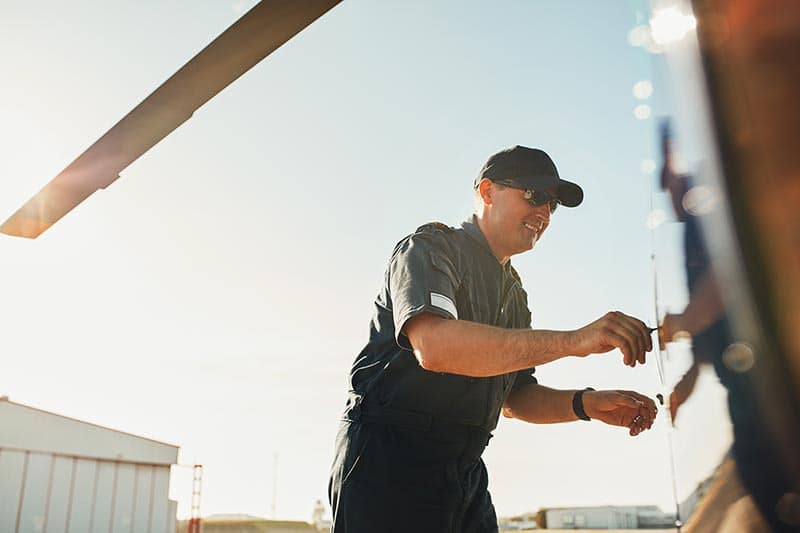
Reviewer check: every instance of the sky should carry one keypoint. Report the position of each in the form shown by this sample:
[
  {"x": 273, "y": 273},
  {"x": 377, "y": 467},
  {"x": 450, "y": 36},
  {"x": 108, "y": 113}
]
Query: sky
[{"x": 215, "y": 295}]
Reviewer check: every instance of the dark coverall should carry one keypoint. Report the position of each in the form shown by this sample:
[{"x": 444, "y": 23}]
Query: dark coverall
[{"x": 408, "y": 453}]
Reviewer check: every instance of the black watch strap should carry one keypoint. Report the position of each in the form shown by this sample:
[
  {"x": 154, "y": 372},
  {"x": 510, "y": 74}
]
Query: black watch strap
[{"x": 577, "y": 404}]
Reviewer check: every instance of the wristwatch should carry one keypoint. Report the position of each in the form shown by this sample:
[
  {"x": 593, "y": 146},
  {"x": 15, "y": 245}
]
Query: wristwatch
[{"x": 577, "y": 404}]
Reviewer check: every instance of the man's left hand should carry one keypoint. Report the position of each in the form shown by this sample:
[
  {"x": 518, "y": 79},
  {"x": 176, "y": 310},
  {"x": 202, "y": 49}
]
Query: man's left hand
[{"x": 621, "y": 408}]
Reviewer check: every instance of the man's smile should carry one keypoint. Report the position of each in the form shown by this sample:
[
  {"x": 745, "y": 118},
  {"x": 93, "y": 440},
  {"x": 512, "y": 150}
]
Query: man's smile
[{"x": 535, "y": 227}]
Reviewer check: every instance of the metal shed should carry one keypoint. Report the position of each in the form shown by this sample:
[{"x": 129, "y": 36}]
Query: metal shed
[
  {"x": 59, "y": 474},
  {"x": 607, "y": 517}
]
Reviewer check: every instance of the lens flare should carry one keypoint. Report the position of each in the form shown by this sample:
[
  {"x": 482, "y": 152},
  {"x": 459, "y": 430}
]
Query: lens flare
[
  {"x": 643, "y": 89},
  {"x": 670, "y": 25},
  {"x": 642, "y": 112},
  {"x": 648, "y": 166},
  {"x": 739, "y": 357},
  {"x": 699, "y": 200},
  {"x": 639, "y": 35},
  {"x": 655, "y": 218}
]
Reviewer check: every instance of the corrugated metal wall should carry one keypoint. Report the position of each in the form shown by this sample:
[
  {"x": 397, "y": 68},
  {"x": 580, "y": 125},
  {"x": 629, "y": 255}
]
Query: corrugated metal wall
[
  {"x": 593, "y": 518},
  {"x": 49, "y": 493}
]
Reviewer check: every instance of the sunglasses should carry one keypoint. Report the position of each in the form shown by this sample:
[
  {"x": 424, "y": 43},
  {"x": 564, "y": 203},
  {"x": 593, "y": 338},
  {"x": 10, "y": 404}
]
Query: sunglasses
[{"x": 536, "y": 197}]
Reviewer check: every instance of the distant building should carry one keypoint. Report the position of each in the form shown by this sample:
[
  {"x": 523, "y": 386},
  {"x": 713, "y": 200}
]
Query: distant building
[
  {"x": 66, "y": 475},
  {"x": 525, "y": 522},
  {"x": 605, "y": 517},
  {"x": 249, "y": 524}
]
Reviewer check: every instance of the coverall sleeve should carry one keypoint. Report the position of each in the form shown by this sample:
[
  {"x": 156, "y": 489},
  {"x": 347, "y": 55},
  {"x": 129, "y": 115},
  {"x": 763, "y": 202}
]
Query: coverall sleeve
[{"x": 422, "y": 279}]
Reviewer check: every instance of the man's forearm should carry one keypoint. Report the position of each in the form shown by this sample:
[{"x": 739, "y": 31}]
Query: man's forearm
[
  {"x": 477, "y": 350},
  {"x": 705, "y": 304},
  {"x": 540, "y": 405}
]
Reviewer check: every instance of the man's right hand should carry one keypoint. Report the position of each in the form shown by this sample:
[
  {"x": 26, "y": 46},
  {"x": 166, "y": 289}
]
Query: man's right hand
[{"x": 614, "y": 330}]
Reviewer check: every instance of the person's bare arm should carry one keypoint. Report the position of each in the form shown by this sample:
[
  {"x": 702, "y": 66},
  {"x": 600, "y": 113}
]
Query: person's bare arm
[
  {"x": 705, "y": 303},
  {"x": 704, "y": 308},
  {"x": 683, "y": 389},
  {"x": 542, "y": 405},
  {"x": 538, "y": 404},
  {"x": 477, "y": 350}
]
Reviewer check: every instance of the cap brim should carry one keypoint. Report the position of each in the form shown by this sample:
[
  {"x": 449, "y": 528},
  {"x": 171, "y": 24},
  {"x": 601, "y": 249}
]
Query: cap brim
[{"x": 569, "y": 194}]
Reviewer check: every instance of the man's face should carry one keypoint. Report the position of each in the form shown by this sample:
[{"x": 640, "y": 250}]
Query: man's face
[{"x": 514, "y": 225}]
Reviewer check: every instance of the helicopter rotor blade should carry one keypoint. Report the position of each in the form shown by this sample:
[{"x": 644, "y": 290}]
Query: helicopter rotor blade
[{"x": 259, "y": 32}]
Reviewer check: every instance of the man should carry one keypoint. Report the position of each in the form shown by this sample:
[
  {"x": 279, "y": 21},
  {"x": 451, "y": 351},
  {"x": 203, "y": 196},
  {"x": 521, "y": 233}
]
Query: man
[{"x": 450, "y": 347}]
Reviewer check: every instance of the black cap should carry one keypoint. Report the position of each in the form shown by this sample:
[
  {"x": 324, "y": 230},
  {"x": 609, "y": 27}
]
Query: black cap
[{"x": 529, "y": 168}]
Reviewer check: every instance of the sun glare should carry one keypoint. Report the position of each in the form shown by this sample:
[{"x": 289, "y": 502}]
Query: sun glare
[{"x": 670, "y": 25}]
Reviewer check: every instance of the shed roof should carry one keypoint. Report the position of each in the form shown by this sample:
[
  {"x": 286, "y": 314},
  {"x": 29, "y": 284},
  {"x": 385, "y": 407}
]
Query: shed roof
[{"x": 31, "y": 429}]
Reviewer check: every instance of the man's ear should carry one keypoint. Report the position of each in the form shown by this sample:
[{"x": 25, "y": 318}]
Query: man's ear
[{"x": 486, "y": 190}]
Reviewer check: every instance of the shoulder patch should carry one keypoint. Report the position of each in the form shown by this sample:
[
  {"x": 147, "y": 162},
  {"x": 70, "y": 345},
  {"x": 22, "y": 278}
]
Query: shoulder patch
[
  {"x": 444, "y": 303},
  {"x": 434, "y": 226}
]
